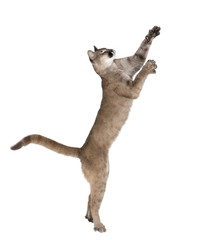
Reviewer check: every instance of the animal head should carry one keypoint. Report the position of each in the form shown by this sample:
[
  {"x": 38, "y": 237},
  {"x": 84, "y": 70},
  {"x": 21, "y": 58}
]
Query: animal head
[{"x": 101, "y": 59}]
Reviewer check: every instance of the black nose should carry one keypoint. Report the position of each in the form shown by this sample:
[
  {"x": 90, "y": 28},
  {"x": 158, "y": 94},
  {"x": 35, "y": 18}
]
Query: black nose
[{"x": 111, "y": 53}]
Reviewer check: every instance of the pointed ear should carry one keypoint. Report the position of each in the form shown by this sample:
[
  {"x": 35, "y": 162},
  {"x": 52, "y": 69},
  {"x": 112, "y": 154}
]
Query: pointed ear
[
  {"x": 91, "y": 55},
  {"x": 95, "y": 48}
]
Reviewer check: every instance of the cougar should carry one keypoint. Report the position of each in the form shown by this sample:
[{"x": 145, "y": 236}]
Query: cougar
[{"x": 119, "y": 91}]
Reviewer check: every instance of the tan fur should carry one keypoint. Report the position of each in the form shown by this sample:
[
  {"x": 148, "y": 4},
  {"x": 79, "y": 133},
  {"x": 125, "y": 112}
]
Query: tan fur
[{"x": 119, "y": 90}]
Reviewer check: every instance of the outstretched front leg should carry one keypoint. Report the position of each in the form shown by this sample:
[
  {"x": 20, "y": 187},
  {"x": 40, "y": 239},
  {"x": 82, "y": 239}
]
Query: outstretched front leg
[
  {"x": 132, "y": 89},
  {"x": 132, "y": 64},
  {"x": 143, "y": 50},
  {"x": 137, "y": 84}
]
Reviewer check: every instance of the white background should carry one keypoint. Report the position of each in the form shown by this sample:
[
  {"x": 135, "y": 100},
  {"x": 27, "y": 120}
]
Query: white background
[{"x": 48, "y": 86}]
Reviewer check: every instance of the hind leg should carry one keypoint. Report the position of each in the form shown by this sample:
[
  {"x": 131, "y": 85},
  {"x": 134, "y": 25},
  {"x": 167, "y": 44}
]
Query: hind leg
[
  {"x": 97, "y": 194},
  {"x": 89, "y": 213},
  {"x": 96, "y": 173}
]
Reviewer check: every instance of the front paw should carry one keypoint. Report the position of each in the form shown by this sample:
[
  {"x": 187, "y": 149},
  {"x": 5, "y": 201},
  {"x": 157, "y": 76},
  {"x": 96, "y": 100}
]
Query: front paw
[
  {"x": 154, "y": 32},
  {"x": 150, "y": 66}
]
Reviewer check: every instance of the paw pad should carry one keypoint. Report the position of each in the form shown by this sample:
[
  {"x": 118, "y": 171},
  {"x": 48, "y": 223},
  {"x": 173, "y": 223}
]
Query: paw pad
[
  {"x": 151, "y": 66},
  {"x": 154, "y": 32}
]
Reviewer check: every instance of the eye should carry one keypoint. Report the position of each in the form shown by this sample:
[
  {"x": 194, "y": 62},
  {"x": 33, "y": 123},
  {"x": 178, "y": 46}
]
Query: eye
[{"x": 102, "y": 51}]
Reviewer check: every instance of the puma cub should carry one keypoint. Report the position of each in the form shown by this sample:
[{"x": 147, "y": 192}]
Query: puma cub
[{"x": 119, "y": 91}]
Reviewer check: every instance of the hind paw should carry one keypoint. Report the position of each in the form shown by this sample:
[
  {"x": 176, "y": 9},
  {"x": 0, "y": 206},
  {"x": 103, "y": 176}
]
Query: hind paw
[
  {"x": 89, "y": 218},
  {"x": 100, "y": 228}
]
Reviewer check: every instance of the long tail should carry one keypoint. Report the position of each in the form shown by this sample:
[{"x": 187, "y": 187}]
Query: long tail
[{"x": 48, "y": 143}]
